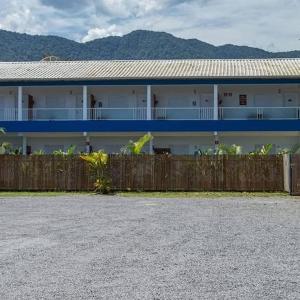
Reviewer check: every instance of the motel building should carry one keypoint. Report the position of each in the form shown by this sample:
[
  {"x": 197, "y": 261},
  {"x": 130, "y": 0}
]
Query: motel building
[{"x": 187, "y": 105}]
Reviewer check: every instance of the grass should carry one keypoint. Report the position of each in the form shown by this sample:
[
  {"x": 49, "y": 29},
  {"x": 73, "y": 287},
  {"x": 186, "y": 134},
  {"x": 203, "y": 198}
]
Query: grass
[
  {"x": 151, "y": 194},
  {"x": 201, "y": 194},
  {"x": 37, "y": 194}
]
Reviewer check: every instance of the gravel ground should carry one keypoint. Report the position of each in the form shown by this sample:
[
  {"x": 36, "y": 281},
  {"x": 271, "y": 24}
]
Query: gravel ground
[{"x": 94, "y": 247}]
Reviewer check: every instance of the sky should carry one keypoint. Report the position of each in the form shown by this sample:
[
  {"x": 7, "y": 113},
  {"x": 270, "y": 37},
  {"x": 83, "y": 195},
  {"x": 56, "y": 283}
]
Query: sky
[{"x": 273, "y": 25}]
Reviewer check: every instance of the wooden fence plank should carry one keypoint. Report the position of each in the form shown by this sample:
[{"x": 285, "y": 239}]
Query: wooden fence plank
[{"x": 145, "y": 172}]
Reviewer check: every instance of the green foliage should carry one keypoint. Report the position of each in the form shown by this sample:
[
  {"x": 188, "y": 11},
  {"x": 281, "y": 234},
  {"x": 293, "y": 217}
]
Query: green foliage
[
  {"x": 229, "y": 150},
  {"x": 98, "y": 164},
  {"x": 39, "y": 152},
  {"x": 264, "y": 150},
  {"x": 138, "y": 44},
  {"x": 135, "y": 148},
  {"x": 221, "y": 150},
  {"x": 70, "y": 151},
  {"x": 200, "y": 152}
]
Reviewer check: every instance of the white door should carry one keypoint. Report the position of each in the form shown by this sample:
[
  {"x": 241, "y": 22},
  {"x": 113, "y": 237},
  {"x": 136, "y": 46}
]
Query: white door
[
  {"x": 141, "y": 107},
  {"x": 54, "y": 108},
  {"x": 206, "y": 100}
]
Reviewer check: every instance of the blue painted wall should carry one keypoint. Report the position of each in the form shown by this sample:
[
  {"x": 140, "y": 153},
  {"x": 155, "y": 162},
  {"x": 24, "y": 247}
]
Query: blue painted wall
[
  {"x": 153, "y": 82},
  {"x": 154, "y": 126}
]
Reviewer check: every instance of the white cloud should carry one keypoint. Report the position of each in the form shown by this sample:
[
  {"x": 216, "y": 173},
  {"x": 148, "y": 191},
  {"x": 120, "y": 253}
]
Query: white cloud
[
  {"x": 96, "y": 33},
  {"x": 127, "y": 8},
  {"x": 268, "y": 24}
]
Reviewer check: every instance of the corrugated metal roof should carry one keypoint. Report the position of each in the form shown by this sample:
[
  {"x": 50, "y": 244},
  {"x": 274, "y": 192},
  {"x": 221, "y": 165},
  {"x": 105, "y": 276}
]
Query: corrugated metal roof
[{"x": 150, "y": 69}]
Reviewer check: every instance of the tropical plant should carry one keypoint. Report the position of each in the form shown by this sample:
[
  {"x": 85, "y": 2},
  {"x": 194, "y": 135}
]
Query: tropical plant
[
  {"x": 208, "y": 151},
  {"x": 70, "y": 151},
  {"x": 39, "y": 152},
  {"x": 264, "y": 150},
  {"x": 136, "y": 147},
  {"x": 229, "y": 150},
  {"x": 3, "y": 146},
  {"x": 98, "y": 164}
]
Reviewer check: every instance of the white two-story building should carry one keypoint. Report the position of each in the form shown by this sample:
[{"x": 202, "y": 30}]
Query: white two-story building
[{"x": 186, "y": 104}]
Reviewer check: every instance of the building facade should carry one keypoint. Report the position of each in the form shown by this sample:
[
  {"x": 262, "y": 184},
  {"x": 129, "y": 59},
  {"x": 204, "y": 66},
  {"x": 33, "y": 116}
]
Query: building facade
[{"x": 187, "y": 105}]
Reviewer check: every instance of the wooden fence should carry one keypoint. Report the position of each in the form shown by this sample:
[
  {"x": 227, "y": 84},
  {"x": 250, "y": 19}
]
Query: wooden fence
[{"x": 145, "y": 173}]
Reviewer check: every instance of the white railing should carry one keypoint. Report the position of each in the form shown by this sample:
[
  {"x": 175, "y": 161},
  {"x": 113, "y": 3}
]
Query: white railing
[
  {"x": 259, "y": 113},
  {"x": 158, "y": 113},
  {"x": 8, "y": 114},
  {"x": 48, "y": 114},
  {"x": 183, "y": 113},
  {"x": 132, "y": 113}
]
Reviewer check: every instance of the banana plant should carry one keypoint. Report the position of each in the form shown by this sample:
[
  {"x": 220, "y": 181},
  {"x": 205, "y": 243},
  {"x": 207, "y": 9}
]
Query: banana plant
[
  {"x": 98, "y": 164},
  {"x": 229, "y": 150},
  {"x": 135, "y": 148},
  {"x": 264, "y": 150},
  {"x": 39, "y": 152},
  {"x": 3, "y": 146},
  {"x": 70, "y": 151}
]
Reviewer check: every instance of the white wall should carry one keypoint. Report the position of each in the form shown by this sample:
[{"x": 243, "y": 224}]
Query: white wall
[{"x": 179, "y": 144}]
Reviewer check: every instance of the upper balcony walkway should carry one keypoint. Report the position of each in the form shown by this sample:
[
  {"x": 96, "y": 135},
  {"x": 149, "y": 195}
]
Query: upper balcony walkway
[{"x": 159, "y": 113}]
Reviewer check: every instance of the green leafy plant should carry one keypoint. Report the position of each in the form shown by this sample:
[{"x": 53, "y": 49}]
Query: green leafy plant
[
  {"x": 135, "y": 148},
  {"x": 205, "y": 152},
  {"x": 264, "y": 150},
  {"x": 5, "y": 148},
  {"x": 98, "y": 163},
  {"x": 39, "y": 152},
  {"x": 229, "y": 150},
  {"x": 70, "y": 151}
]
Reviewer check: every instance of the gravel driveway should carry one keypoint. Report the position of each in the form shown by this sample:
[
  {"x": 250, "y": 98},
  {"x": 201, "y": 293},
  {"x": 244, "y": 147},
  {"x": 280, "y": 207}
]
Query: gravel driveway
[{"x": 94, "y": 247}]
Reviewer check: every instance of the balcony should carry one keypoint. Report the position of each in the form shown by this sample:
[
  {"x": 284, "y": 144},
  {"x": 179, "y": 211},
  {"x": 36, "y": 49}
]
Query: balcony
[
  {"x": 259, "y": 113},
  {"x": 161, "y": 113},
  {"x": 183, "y": 113}
]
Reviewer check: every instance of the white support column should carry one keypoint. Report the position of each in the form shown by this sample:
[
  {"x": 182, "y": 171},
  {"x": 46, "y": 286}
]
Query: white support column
[
  {"x": 149, "y": 104},
  {"x": 150, "y": 145},
  {"x": 20, "y": 103},
  {"x": 84, "y": 103},
  {"x": 216, "y": 115},
  {"x": 216, "y": 104},
  {"x": 216, "y": 141},
  {"x": 24, "y": 145}
]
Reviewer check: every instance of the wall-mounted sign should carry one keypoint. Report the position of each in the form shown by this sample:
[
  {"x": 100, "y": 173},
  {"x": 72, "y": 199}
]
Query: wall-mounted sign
[{"x": 243, "y": 99}]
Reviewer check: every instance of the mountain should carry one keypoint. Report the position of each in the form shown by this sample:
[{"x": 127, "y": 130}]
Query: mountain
[{"x": 140, "y": 44}]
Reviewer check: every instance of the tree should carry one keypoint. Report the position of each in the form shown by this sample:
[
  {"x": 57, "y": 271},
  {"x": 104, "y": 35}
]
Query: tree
[
  {"x": 98, "y": 164},
  {"x": 135, "y": 148}
]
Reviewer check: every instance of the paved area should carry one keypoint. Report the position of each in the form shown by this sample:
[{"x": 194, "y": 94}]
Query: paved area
[{"x": 94, "y": 247}]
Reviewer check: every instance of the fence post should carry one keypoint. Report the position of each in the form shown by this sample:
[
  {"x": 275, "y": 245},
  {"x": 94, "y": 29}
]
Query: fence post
[{"x": 287, "y": 172}]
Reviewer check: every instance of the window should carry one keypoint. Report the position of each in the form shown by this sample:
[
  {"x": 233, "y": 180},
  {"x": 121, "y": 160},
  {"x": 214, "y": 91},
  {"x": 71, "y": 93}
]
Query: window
[{"x": 243, "y": 99}]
